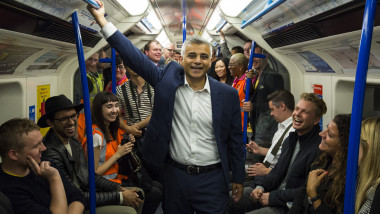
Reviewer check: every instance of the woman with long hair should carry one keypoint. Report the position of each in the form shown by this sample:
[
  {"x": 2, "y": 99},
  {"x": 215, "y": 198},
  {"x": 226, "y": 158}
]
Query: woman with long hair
[
  {"x": 368, "y": 190},
  {"x": 108, "y": 149},
  {"x": 222, "y": 71},
  {"x": 324, "y": 191},
  {"x": 106, "y": 136}
]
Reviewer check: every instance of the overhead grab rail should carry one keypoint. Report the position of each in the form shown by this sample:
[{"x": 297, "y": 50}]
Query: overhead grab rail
[
  {"x": 271, "y": 6},
  {"x": 146, "y": 26},
  {"x": 221, "y": 26},
  {"x": 87, "y": 112},
  {"x": 357, "y": 106}
]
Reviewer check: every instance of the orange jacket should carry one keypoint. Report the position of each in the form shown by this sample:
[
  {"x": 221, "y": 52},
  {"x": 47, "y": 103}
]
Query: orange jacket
[
  {"x": 239, "y": 84},
  {"x": 107, "y": 149}
]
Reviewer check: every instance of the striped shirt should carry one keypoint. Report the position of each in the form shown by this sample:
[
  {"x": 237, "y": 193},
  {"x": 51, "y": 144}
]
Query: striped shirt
[{"x": 140, "y": 104}]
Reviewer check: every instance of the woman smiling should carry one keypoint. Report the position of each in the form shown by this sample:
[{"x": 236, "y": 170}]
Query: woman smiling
[{"x": 324, "y": 191}]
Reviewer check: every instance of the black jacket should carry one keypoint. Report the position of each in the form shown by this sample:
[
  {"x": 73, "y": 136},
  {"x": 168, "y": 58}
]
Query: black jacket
[
  {"x": 298, "y": 171},
  {"x": 264, "y": 125},
  {"x": 76, "y": 165}
]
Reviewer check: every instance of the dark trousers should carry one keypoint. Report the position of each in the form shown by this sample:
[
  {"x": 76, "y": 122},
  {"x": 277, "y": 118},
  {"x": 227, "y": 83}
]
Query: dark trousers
[
  {"x": 200, "y": 193},
  {"x": 152, "y": 198}
]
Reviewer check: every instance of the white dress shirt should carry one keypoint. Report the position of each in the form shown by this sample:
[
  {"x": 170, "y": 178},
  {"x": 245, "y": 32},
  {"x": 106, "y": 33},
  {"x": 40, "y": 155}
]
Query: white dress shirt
[
  {"x": 281, "y": 128},
  {"x": 192, "y": 136}
]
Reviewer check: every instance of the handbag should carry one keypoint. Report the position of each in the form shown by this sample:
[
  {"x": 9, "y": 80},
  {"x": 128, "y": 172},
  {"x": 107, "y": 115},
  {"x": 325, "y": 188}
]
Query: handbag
[{"x": 131, "y": 166}]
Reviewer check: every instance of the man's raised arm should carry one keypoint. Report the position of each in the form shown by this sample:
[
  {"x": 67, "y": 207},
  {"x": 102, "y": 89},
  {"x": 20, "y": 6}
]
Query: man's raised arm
[{"x": 98, "y": 14}]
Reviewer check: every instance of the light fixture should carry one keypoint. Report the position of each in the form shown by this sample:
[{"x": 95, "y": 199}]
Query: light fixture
[
  {"x": 206, "y": 36},
  {"x": 153, "y": 19},
  {"x": 232, "y": 8},
  {"x": 214, "y": 20},
  {"x": 162, "y": 38},
  {"x": 134, "y": 7}
]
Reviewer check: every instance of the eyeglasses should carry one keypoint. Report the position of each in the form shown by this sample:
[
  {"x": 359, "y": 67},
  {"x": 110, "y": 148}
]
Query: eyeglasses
[
  {"x": 120, "y": 67},
  {"x": 73, "y": 117},
  {"x": 170, "y": 50},
  {"x": 93, "y": 60}
]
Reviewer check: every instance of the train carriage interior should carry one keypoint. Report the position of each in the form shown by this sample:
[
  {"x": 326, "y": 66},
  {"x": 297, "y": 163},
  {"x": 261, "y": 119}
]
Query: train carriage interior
[{"x": 313, "y": 45}]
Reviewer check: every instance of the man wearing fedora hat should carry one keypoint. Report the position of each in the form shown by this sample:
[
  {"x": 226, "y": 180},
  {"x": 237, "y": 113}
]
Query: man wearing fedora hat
[{"x": 65, "y": 151}]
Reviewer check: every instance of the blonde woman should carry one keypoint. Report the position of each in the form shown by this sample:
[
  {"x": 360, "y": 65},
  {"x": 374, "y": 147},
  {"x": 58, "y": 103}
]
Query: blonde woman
[{"x": 368, "y": 190}]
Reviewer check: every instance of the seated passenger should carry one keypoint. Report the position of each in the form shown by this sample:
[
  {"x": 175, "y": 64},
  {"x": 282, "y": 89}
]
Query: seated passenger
[
  {"x": 223, "y": 72},
  {"x": 107, "y": 147},
  {"x": 270, "y": 193},
  {"x": 106, "y": 138},
  {"x": 281, "y": 105},
  {"x": 32, "y": 185},
  {"x": 120, "y": 74},
  {"x": 368, "y": 190},
  {"x": 65, "y": 151},
  {"x": 324, "y": 191}
]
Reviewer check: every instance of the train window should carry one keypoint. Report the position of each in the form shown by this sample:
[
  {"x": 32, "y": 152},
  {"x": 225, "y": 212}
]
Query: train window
[
  {"x": 276, "y": 66},
  {"x": 12, "y": 94},
  {"x": 344, "y": 95}
]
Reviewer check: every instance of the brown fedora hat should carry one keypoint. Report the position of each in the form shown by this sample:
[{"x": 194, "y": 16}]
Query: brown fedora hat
[{"x": 54, "y": 104}]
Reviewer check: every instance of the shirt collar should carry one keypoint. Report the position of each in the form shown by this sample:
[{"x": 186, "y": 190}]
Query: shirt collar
[
  {"x": 286, "y": 122},
  {"x": 124, "y": 78},
  {"x": 205, "y": 88},
  {"x": 239, "y": 79}
]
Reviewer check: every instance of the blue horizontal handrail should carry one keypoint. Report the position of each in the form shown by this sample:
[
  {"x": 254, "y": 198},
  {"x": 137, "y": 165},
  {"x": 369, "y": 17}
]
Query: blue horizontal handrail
[
  {"x": 262, "y": 13},
  {"x": 221, "y": 26}
]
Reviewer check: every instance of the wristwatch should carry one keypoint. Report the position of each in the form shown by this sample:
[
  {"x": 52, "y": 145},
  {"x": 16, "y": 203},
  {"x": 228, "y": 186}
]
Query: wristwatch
[{"x": 313, "y": 199}]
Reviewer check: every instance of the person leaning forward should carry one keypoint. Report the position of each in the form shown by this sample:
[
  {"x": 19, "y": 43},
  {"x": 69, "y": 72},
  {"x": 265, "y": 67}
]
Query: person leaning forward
[
  {"x": 65, "y": 151},
  {"x": 195, "y": 129}
]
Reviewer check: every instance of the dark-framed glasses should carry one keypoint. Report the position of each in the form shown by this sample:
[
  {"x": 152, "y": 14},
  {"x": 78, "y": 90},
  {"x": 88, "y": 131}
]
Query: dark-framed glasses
[{"x": 66, "y": 119}]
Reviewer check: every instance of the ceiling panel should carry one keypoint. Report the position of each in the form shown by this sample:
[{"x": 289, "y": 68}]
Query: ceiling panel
[{"x": 170, "y": 13}]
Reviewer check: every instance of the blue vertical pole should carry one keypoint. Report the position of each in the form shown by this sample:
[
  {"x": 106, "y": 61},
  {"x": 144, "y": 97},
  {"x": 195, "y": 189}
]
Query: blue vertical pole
[
  {"x": 247, "y": 88},
  {"x": 184, "y": 20},
  {"x": 87, "y": 112},
  {"x": 357, "y": 106},
  {"x": 113, "y": 69}
]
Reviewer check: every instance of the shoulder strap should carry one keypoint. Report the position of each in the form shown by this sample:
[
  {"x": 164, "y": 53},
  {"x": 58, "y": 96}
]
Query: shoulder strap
[
  {"x": 126, "y": 100},
  {"x": 149, "y": 93},
  {"x": 279, "y": 142}
]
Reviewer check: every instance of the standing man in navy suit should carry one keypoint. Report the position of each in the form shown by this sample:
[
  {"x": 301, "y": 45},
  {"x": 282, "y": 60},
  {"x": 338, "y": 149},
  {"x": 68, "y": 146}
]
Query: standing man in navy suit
[{"x": 194, "y": 134}]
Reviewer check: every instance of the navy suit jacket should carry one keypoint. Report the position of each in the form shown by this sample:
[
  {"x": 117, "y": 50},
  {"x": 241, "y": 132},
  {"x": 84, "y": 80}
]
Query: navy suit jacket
[{"x": 225, "y": 110}]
